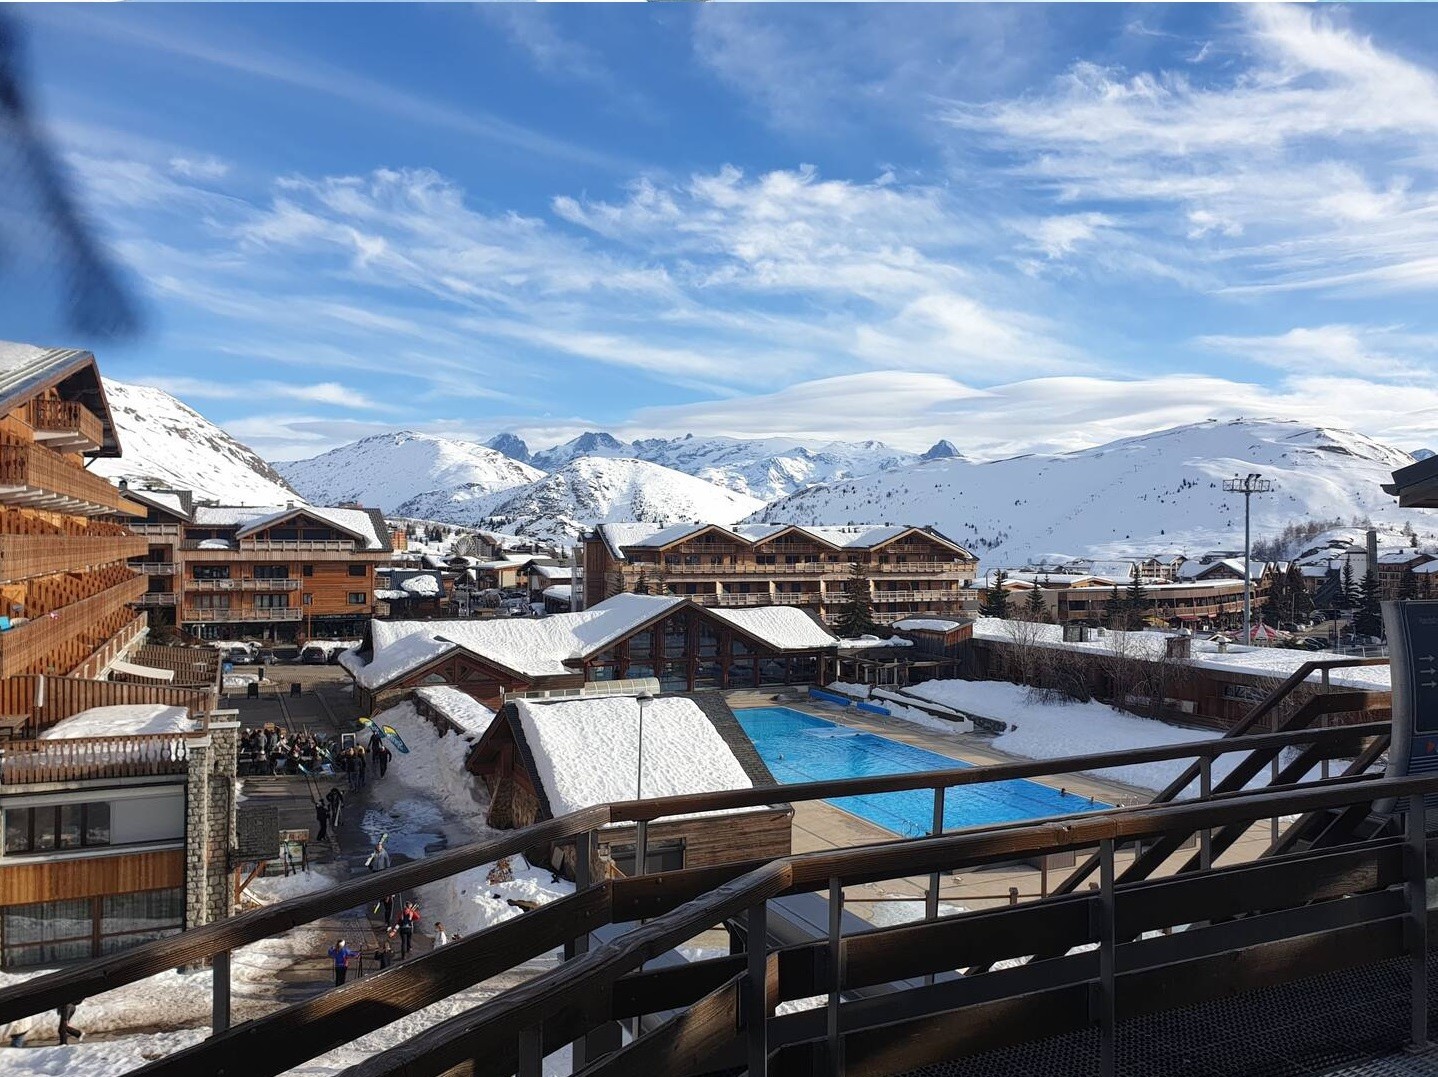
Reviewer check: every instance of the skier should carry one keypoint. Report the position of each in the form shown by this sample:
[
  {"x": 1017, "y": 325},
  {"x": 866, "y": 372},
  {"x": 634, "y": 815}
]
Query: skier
[
  {"x": 341, "y": 954},
  {"x": 337, "y": 802},
  {"x": 440, "y": 938},
  {"x": 66, "y": 1012},
  {"x": 382, "y": 756},
  {"x": 379, "y": 859},
  {"x": 384, "y": 955},
  {"x": 322, "y": 816},
  {"x": 376, "y": 741},
  {"x": 407, "y": 919},
  {"x": 360, "y": 762},
  {"x": 388, "y": 904}
]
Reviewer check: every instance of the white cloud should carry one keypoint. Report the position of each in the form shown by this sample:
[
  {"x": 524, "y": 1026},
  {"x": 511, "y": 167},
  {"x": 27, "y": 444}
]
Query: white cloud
[
  {"x": 199, "y": 168},
  {"x": 326, "y": 392},
  {"x": 1351, "y": 350}
]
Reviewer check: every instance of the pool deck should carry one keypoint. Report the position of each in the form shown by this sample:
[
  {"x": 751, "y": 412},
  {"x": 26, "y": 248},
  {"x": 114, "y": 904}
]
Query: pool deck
[{"x": 819, "y": 825}]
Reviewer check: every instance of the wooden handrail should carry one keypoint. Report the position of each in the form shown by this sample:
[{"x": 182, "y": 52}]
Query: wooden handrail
[{"x": 200, "y": 943}]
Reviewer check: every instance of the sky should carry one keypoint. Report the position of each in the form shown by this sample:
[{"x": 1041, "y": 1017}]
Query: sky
[{"x": 1021, "y": 228}]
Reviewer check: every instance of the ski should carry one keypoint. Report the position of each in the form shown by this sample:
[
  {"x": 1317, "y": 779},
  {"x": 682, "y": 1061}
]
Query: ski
[{"x": 378, "y": 845}]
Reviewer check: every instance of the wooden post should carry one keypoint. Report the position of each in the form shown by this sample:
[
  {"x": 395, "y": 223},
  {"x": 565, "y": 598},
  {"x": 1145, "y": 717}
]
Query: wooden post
[
  {"x": 1416, "y": 841},
  {"x": 931, "y": 898},
  {"x": 1108, "y": 1054},
  {"x": 531, "y": 1051},
  {"x": 756, "y": 1016},
  {"x": 1205, "y": 790},
  {"x": 835, "y": 1050},
  {"x": 220, "y": 992}
]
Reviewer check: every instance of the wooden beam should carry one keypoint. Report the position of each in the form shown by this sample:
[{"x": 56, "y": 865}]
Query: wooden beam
[{"x": 687, "y": 1044}]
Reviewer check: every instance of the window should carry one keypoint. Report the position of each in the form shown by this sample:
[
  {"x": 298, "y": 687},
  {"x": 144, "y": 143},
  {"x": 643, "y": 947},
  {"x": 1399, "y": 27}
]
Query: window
[
  {"x": 358, "y": 570},
  {"x": 212, "y": 572},
  {"x": 357, "y": 598},
  {"x": 272, "y": 572},
  {"x": 57, "y": 826},
  {"x": 307, "y": 570},
  {"x": 307, "y": 600},
  {"x": 668, "y": 856},
  {"x": 80, "y": 928},
  {"x": 272, "y": 602},
  {"x": 211, "y": 602}
]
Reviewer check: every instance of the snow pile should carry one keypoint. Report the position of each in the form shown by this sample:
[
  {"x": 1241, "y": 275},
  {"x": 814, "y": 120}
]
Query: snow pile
[
  {"x": 865, "y": 642},
  {"x": 586, "y": 750},
  {"x": 128, "y": 720},
  {"x": 925, "y": 624},
  {"x": 844, "y": 688},
  {"x": 433, "y": 769},
  {"x": 469, "y": 902},
  {"x": 267, "y": 890},
  {"x": 1040, "y": 730},
  {"x": 425, "y": 586},
  {"x": 464, "y": 711}
]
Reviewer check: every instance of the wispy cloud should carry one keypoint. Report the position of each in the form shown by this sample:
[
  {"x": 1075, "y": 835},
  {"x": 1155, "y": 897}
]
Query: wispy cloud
[{"x": 325, "y": 392}]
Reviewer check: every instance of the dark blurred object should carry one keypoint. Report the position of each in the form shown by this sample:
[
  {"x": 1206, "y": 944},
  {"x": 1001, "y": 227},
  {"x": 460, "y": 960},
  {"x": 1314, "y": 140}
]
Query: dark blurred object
[{"x": 42, "y": 238}]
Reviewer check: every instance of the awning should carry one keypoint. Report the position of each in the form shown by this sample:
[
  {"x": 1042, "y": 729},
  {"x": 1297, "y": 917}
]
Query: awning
[{"x": 152, "y": 673}]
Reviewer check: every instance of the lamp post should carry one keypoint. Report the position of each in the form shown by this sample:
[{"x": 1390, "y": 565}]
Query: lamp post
[
  {"x": 1250, "y": 484},
  {"x": 643, "y": 699}
]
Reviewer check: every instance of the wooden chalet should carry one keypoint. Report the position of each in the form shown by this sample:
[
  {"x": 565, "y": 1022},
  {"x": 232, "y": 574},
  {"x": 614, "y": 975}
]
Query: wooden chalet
[
  {"x": 908, "y": 571},
  {"x": 540, "y": 759},
  {"x": 684, "y": 645},
  {"x": 277, "y": 573}
]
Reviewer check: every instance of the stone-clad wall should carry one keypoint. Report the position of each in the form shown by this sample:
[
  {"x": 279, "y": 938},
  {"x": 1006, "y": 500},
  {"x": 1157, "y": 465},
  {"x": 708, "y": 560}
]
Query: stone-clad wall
[{"x": 210, "y": 823}]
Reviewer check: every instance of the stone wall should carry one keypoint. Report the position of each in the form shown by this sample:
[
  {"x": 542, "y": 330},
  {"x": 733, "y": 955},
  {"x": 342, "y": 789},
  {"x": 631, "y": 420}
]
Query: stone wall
[{"x": 210, "y": 822}]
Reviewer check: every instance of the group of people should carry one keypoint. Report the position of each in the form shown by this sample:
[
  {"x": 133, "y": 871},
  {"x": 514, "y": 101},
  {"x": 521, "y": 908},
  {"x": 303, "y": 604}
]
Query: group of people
[
  {"x": 271, "y": 750},
  {"x": 355, "y": 761},
  {"x": 402, "y": 927},
  {"x": 327, "y": 813}
]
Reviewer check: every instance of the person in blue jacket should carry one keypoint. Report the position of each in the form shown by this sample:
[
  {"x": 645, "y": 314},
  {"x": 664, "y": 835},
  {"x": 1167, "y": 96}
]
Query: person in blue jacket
[{"x": 341, "y": 954}]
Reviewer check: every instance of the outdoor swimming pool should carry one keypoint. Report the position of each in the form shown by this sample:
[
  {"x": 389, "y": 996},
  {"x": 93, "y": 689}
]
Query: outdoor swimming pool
[{"x": 798, "y": 747}]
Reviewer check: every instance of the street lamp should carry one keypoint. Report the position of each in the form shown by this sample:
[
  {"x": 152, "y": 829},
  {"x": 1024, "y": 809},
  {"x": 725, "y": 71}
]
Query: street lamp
[
  {"x": 643, "y": 699},
  {"x": 1250, "y": 484}
]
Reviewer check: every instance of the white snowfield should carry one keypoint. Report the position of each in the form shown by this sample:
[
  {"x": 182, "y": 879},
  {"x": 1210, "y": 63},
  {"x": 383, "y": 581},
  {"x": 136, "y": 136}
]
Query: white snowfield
[
  {"x": 586, "y": 750},
  {"x": 122, "y": 721},
  {"x": 1275, "y": 662}
]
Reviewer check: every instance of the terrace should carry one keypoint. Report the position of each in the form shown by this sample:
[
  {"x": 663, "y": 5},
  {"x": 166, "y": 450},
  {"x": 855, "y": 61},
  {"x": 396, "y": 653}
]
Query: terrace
[
  {"x": 40, "y": 640},
  {"x": 42, "y": 478},
  {"x": 228, "y": 615},
  {"x": 66, "y": 425}
]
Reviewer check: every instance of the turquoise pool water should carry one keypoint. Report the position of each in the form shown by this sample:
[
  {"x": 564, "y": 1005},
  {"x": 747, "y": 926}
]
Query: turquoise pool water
[{"x": 798, "y": 747}]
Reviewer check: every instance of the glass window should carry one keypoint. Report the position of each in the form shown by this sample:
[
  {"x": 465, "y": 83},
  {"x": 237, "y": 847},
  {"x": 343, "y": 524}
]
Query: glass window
[
  {"x": 308, "y": 598},
  {"x": 97, "y": 824},
  {"x": 272, "y": 572},
  {"x": 71, "y": 825},
  {"x": 272, "y": 602},
  {"x": 358, "y": 570},
  {"x": 357, "y": 598},
  {"x": 212, "y": 572},
  {"x": 307, "y": 570},
  {"x": 45, "y": 819},
  {"x": 151, "y": 910},
  {"x": 17, "y": 830}
]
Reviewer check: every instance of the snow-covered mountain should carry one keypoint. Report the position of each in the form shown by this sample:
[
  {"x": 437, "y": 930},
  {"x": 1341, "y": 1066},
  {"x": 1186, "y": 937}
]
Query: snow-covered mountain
[
  {"x": 1155, "y": 492},
  {"x": 590, "y": 490},
  {"x": 165, "y": 442},
  {"x": 386, "y": 470},
  {"x": 511, "y": 445}
]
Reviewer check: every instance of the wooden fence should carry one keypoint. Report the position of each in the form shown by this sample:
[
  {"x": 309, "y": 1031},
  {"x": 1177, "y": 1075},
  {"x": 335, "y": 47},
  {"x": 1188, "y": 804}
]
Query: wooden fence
[{"x": 66, "y": 760}]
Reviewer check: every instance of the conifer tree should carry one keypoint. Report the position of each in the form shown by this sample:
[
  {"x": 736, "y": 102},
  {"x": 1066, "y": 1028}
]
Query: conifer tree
[
  {"x": 641, "y": 584},
  {"x": 996, "y": 598},
  {"x": 1113, "y": 610},
  {"x": 1408, "y": 586},
  {"x": 1034, "y": 607},
  {"x": 1135, "y": 601},
  {"x": 1350, "y": 589},
  {"x": 856, "y": 615},
  {"x": 1368, "y": 620}
]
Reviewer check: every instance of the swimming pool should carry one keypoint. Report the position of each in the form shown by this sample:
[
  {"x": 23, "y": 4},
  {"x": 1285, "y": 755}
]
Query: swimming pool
[{"x": 799, "y": 747}]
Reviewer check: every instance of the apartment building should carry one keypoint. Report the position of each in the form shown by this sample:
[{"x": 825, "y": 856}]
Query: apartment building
[
  {"x": 907, "y": 571},
  {"x": 278, "y": 573}
]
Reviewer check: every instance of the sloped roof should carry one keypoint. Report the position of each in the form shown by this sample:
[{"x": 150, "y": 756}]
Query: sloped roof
[
  {"x": 28, "y": 369},
  {"x": 366, "y": 525},
  {"x": 785, "y": 628},
  {"x": 179, "y": 503},
  {"x": 850, "y": 537}
]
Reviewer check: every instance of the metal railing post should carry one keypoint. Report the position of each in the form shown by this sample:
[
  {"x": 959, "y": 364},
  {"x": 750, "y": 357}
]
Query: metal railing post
[
  {"x": 531, "y": 1051},
  {"x": 1416, "y": 839},
  {"x": 756, "y": 1015},
  {"x": 641, "y": 846},
  {"x": 836, "y": 972},
  {"x": 1108, "y": 1053},
  {"x": 1205, "y": 790},
  {"x": 220, "y": 992},
  {"x": 931, "y": 896}
]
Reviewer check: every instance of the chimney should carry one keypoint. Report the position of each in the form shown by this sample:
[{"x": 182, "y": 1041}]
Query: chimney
[
  {"x": 1373, "y": 549},
  {"x": 124, "y": 484},
  {"x": 289, "y": 504}
]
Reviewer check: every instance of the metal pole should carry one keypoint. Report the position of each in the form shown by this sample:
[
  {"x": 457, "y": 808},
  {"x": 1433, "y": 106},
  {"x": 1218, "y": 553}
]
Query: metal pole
[
  {"x": 639, "y": 766},
  {"x": 756, "y": 1016},
  {"x": 220, "y": 993},
  {"x": 1108, "y": 1052},
  {"x": 1247, "y": 573},
  {"x": 1416, "y": 839}
]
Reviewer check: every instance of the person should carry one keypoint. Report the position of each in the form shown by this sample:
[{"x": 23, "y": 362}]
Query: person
[
  {"x": 381, "y": 758},
  {"x": 341, "y": 954},
  {"x": 440, "y": 938},
  {"x": 407, "y": 919},
  {"x": 66, "y": 1012},
  {"x": 384, "y": 955},
  {"x": 337, "y": 802},
  {"x": 322, "y": 816},
  {"x": 379, "y": 859},
  {"x": 360, "y": 762},
  {"x": 18, "y": 1029},
  {"x": 352, "y": 769},
  {"x": 376, "y": 740},
  {"x": 388, "y": 905}
]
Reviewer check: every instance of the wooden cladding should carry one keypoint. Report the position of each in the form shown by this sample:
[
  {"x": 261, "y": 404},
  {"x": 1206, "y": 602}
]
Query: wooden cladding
[
  {"x": 63, "y": 696},
  {"x": 35, "y": 475},
  {"x": 65, "y": 760},
  {"x": 91, "y": 876},
  {"x": 25, "y": 556},
  {"x": 66, "y": 639},
  {"x": 66, "y": 424}
]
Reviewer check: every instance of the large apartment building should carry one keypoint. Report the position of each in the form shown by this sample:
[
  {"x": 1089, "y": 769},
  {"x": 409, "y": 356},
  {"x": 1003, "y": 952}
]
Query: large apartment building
[
  {"x": 116, "y": 773},
  {"x": 908, "y": 571},
  {"x": 276, "y": 573}
]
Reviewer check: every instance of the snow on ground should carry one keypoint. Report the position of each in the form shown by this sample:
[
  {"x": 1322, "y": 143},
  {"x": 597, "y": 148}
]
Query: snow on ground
[
  {"x": 470, "y": 902},
  {"x": 108, "y": 1058},
  {"x": 433, "y": 770},
  {"x": 460, "y": 708},
  {"x": 407, "y": 827},
  {"x": 269, "y": 889},
  {"x": 122, "y": 721}
]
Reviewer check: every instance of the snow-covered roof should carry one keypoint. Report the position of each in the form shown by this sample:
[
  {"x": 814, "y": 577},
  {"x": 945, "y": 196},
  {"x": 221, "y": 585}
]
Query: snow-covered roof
[
  {"x": 560, "y": 592},
  {"x": 27, "y": 369},
  {"x": 1399, "y": 557},
  {"x": 391, "y": 594},
  {"x": 586, "y": 750},
  {"x": 176, "y": 502},
  {"x": 424, "y": 585},
  {"x": 851, "y": 537},
  {"x": 538, "y": 647},
  {"x": 926, "y": 624},
  {"x": 1192, "y": 569},
  {"x": 366, "y": 526},
  {"x": 618, "y": 536},
  {"x": 1276, "y": 662},
  {"x": 785, "y": 628},
  {"x": 864, "y": 643},
  {"x": 553, "y": 572},
  {"x": 463, "y": 710},
  {"x": 122, "y": 721}
]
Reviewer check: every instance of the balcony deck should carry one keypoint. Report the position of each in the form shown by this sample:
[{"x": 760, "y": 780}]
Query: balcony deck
[
  {"x": 66, "y": 425},
  {"x": 25, "y": 762},
  {"x": 244, "y": 584},
  {"x": 192, "y": 615},
  {"x": 24, "y": 556},
  {"x": 159, "y": 598},
  {"x": 41, "y": 478},
  {"x": 31, "y": 643}
]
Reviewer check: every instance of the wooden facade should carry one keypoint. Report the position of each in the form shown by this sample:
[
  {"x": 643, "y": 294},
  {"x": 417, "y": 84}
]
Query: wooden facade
[
  {"x": 297, "y": 578},
  {"x": 908, "y": 572},
  {"x": 91, "y": 876}
]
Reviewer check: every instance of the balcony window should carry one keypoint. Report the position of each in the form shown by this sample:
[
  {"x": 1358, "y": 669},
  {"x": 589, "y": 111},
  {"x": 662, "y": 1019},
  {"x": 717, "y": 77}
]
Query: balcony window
[
  {"x": 307, "y": 570},
  {"x": 272, "y": 572},
  {"x": 357, "y": 598},
  {"x": 272, "y": 602},
  {"x": 57, "y": 826},
  {"x": 79, "y": 928},
  {"x": 212, "y": 602},
  {"x": 212, "y": 572}
]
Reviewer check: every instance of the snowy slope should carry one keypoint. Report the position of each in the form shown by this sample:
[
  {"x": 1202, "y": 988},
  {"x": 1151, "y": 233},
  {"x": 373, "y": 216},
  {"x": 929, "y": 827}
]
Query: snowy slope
[
  {"x": 168, "y": 443},
  {"x": 386, "y": 470},
  {"x": 1160, "y": 491},
  {"x": 594, "y": 490}
]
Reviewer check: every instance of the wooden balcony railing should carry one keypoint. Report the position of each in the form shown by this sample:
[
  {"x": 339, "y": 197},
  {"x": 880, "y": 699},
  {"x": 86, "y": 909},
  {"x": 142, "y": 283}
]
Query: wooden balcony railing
[
  {"x": 917, "y": 596},
  {"x": 29, "y": 761},
  {"x": 244, "y": 584},
  {"x": 40, "y": 477},
  {"x": 66, "y": 424},
  {"x": 293, "y": 613},
  {"x": 960, "y": 569},
  {"x": 33, "y": 642},
  {"x": 23, "y": 556},
  {"x": 154, "y": 568},
  {"x": 298, "y": 545},
  {"x": 159, "y": 598},
  {"x": 158, "y": 530}
]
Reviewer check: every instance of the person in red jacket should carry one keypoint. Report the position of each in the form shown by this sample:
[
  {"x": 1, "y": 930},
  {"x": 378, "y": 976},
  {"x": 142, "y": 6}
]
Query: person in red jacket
[{"x": 408, "y": 918}]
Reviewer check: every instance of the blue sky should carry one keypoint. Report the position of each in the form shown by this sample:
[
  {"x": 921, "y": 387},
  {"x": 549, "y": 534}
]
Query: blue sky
[{"x": 1019, "y": 227}]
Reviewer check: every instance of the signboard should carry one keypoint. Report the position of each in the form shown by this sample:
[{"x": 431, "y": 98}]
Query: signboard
[
  {"x": 257, "y": 832},
  {"x": 1412, "y": 628}
]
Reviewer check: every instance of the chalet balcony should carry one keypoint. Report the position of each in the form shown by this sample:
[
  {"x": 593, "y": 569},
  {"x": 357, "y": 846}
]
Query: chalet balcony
[
  {"x": 957, "y": 597},
  {"x": 266, "y": 550},
  {"x": 899, "y": 568},
  {"x": 29, "y": 761},
  {"x": 154, "y": 568},
  {"x": 243, "y": 614},
  {"x": 158, "y": 598},
  {"x": 41, "y": 478},
  {"x": 245, "y": 584},
  {"x": 836, "y": 569},
  {"x": 66, "y": 425},
  {"x": 36, "y": 641},
  {"x": 23, "y": 556},
  {"x": 157, "y": 530}
]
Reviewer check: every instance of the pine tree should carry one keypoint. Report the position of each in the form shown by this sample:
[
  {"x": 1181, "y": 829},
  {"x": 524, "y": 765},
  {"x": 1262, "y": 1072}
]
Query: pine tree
[
  {"x": 1113, "y": 610},
  {"x": 1408, "y": 586},
  {"x": 1368, "y": 620},
  {"x": 1301, "y": 601},
  {"x": 856, "y": 615},
  {"x": 641, "y": 584},
  {"x": 996, "y": 598},
  {"x": 1034, "y": 607},
  {"x": 1350, "y": 590},
  {"x": 1135, "y": 601}
]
